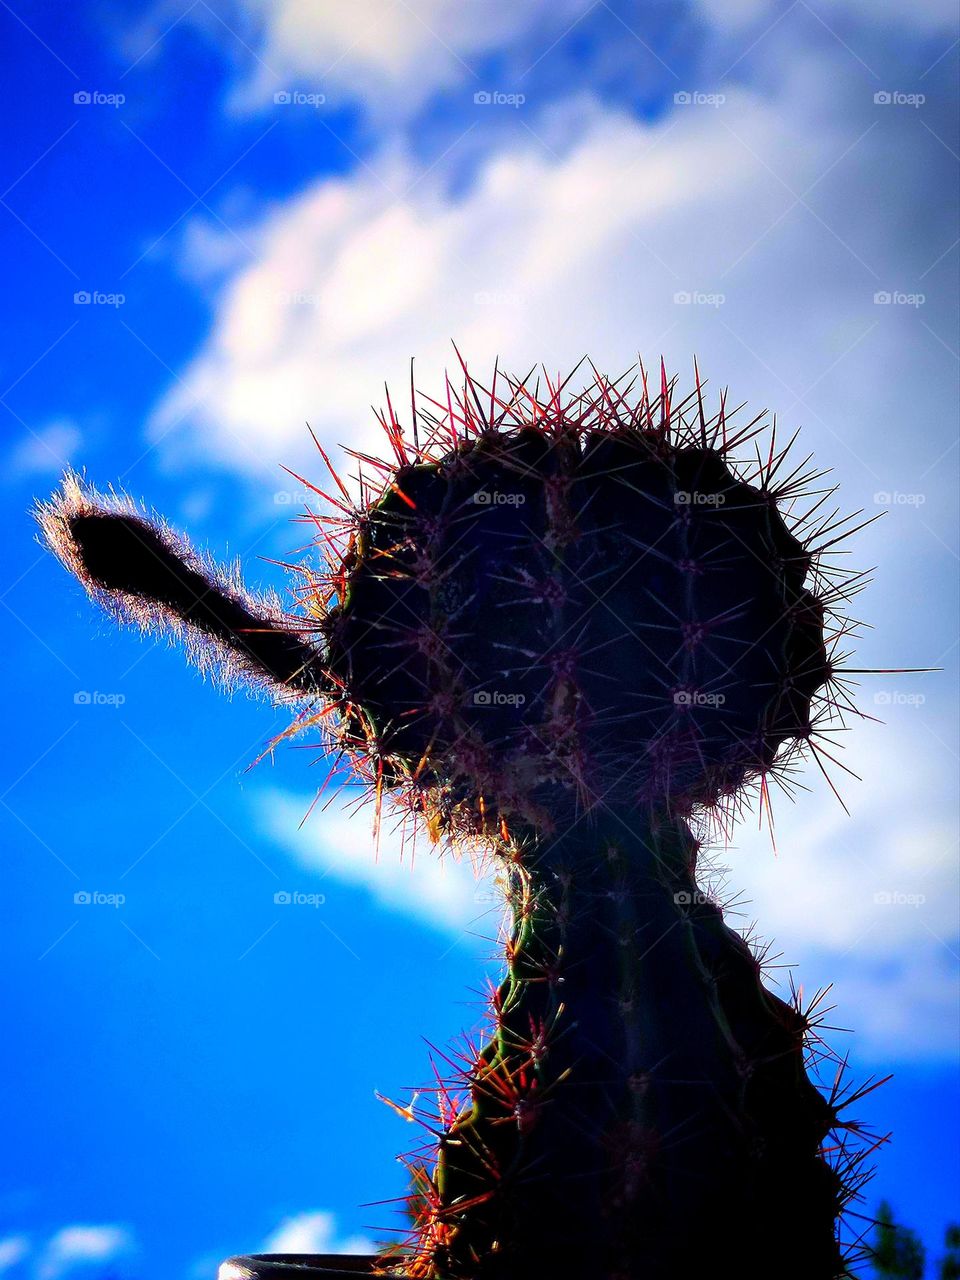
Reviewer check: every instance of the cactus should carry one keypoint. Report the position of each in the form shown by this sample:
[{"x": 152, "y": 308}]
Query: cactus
[{"x": 576, "y": 632}]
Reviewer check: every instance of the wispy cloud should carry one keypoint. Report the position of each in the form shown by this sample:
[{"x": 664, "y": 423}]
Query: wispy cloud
[
  {"x": 738, "y": 232},
  {"x": 13, "y": 1249},
  {"x": 865, "y": 901},
  {"x": 314, "y": 1231},
  {"x": 78, "y": 1250},
  {"x": 46, "y": 451},
  {"x": 72, "y": 1252},
  {"x": 384, "y": 57},
  {"x": 408, "y": 876}
]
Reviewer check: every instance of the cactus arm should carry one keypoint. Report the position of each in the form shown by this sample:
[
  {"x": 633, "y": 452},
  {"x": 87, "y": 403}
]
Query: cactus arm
[{"x": 140, "y": 571}]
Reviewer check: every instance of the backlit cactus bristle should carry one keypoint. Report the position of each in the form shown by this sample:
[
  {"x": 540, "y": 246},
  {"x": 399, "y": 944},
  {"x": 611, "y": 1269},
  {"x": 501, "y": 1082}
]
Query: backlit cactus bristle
[{"x": 576, "y": 629}]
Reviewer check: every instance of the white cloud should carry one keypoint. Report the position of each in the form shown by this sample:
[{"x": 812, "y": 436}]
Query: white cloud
[
  {"x": 386, "y": 53},
  {"x": 47, "y": 450},
  {"x": 13, "y": 1250},
  {"x": 548, "y": 253},
  {"x": 391, "y": 58},
  {"x": 407, "y": 876},
  {"x": 830, "y": 878},
  {"x": 314, "y": 1232},
  {"x": 76, "y": 1249},
  {"x": 867, "y": 902},
  {"x": 353, "y": 280}
]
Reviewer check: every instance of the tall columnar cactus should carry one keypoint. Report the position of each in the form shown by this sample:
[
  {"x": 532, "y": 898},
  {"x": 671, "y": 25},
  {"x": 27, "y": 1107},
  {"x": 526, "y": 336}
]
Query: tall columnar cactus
[{"x": 572, "y": 629}]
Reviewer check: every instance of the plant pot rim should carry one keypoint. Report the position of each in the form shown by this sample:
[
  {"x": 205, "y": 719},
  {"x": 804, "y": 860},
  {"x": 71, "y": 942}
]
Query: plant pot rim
[{"x": 298, "y": 1266}]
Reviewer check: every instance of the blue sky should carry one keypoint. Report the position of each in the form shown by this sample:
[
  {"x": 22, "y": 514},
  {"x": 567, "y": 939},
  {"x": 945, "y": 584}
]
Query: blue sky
[{"x": 291, "y": 200}]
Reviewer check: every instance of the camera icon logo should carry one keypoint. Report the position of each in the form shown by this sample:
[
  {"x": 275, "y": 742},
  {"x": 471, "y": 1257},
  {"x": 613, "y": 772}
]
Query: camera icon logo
[
  {"x": 883, "y": 98},
  {"x": 82, "y": 298},
  {"x": 283, "y": 97},
  {"x": 82, "y": 98},
  {"x": 282, "y": 898},
  {"x": 482, "y": 498},
  {"x": 81, "y": 698},
  {"x": 82, "y": 898},
  {"x": 683, "y": 898},
  {"x": 481, "y": 698},
  {"x": 483, "y": 98}
]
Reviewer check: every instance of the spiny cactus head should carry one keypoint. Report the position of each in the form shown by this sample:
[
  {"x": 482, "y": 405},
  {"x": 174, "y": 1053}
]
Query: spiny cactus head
[{"x": 569, "y": 602}]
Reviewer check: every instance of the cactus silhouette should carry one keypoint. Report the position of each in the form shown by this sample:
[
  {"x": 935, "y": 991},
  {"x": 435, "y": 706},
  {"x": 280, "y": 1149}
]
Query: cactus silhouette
[{"x": 574, "y": 631}]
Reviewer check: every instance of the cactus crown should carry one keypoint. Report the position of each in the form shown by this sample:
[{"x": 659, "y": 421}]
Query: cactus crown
[{"x": 558, "y": 602}]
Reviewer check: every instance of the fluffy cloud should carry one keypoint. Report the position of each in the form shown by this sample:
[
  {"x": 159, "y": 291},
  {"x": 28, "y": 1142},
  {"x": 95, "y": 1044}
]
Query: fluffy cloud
[
  {"x": 865, "y": 901},
  {"x": 81, "y": 1250},
  {"x": 385, "y": 51},
  {"x": 71, "y": 1253},
  {"x": 13, "y": 1250},
  {"x": 357, "y": 275},
  {"x": 403, "y": 875},
  {"x": 48, "y": 450},
  {"x": 392, "y": 57},
  {"x": 738, "y": 232},
  {"x": 879, "y": 878},
  {"x": 314, "y": 1232}
]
